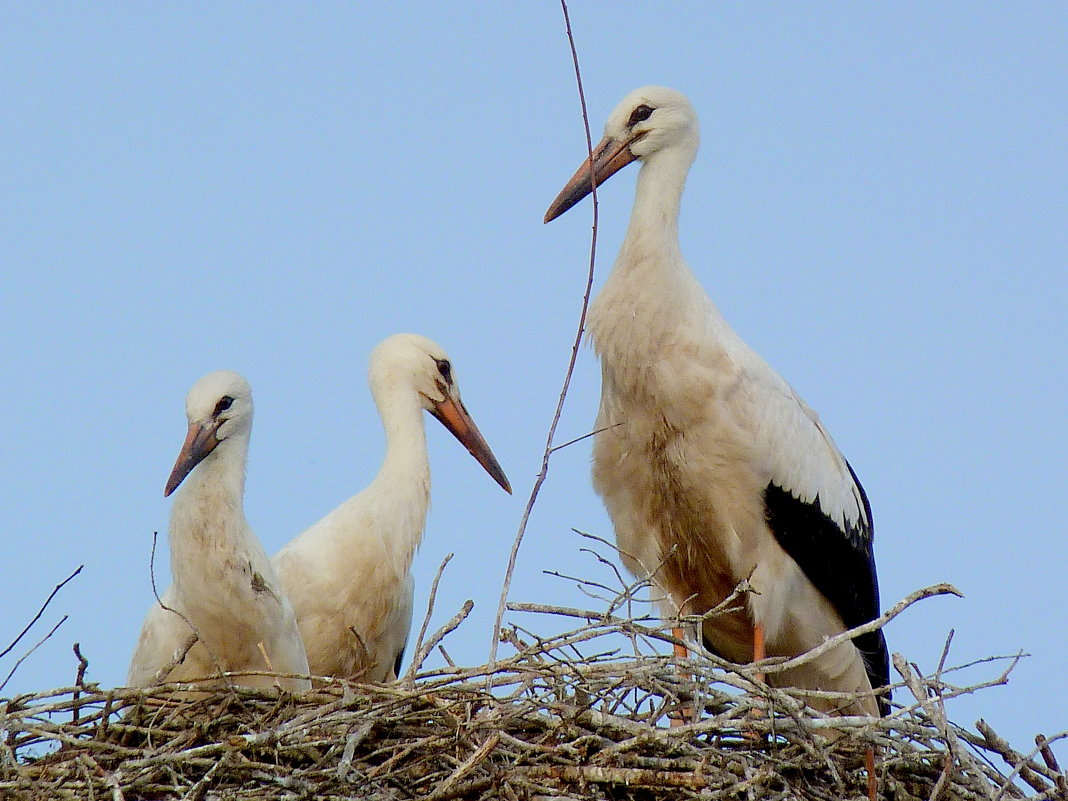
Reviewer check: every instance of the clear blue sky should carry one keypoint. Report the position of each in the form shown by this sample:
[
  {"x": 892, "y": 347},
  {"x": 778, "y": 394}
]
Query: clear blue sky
[{"x": 880, "y": 207}]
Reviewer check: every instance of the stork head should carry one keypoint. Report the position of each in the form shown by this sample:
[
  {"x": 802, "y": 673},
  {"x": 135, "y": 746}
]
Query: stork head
[
  {"x": 650, "y": 120},
  {"x": 218, "y": 407},
  {"x": 419, "y": 367}
]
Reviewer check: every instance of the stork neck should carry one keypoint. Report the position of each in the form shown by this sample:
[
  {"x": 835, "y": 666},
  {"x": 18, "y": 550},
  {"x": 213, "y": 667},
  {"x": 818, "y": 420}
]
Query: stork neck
[
  {"x": 405, "y": 473},
  {"x": 207, "y": 517},
  {"x": 219, "y": 479},
  {"x": 654, "y": 221},
  {"x": 651, "y": 295}
]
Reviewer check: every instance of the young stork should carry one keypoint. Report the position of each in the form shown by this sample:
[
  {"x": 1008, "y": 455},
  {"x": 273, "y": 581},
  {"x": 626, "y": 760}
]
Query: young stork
[
  {"x": 711, "y": 467},
  {"x": 223, "y": 582},
  {"x": 349, "y": 574}
]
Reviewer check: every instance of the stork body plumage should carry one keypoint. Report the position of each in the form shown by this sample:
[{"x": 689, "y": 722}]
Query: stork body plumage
[
  {"x": 711, "y": 467},
  {"x": 223, "y": 582},
  {"x": 349, "y": 574}
]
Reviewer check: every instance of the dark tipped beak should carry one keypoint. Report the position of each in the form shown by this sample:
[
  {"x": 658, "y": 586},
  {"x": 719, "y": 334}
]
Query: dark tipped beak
[
  {"x": 199, "y": 442},
  {"x": 609, "y": 157},
  {"x": 454, "y": 416}
]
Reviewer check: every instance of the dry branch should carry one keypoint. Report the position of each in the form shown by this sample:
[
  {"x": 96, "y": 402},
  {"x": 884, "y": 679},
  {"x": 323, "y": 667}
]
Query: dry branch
[
  {"x": 549, "y": 449},
  {"x": 562, "y": 715},
  {"x": 40, "y": 612}
]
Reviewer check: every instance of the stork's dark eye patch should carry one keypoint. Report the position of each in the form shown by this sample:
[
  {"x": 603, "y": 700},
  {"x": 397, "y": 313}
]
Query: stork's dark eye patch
[
  {"x": 445, "y": 369},
  {"x": 640, "y": 114},
  {"x": 225, "y": 402}
]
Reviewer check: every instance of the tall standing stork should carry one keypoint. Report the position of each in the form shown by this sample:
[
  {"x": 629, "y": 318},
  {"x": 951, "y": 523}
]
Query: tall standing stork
[
  {"x": 224, "y": 588},
  {"x": 712, "y": 469},
  {"x": 349, "y": 574}
]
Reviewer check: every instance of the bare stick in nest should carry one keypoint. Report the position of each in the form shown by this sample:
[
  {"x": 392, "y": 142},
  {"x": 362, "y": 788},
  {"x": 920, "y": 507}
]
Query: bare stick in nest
[
  {"x": 440, "y": 634},
  {"x": 83, "y": 664},
  {"x": 931, "y": 702},
  {"x": 79, "y": 679},
  {"x": 1022, "y": 765},
  {"x": 1052, "y": 764},
  {"x": 465, "y": 769},
  {"x": 628, "y": 590},
  {"x": 557, "y": 728},
  {"x": 177, "y": 659},
  {"x": 409, "y": 675},
  {"x": 267, "y": 661},
  {"x": 779, "y": 665},
  {"x": 40, "y": 611},
  {"x": 544, "y": 472}
]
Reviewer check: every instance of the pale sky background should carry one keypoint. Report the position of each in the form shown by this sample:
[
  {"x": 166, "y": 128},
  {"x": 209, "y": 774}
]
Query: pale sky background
[{"x": 879, "y": 206}]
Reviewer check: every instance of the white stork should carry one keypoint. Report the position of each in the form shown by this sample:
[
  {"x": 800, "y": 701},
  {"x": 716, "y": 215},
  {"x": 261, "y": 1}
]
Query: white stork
[
  {"x": 223, "y": 582},
  {"x": 712, "y": 469},
  {"x": 349, "y": 574}
]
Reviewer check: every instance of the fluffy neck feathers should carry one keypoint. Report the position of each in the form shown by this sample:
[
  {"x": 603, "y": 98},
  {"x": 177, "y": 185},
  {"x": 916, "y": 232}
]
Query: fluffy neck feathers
[
  {"x": 208, "y": 532},
  {"x": 392, "y": 510},
  {"x": 650, "y": 289}
]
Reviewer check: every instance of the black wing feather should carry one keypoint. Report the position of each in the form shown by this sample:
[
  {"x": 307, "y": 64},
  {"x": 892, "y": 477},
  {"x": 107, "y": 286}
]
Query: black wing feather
[{"x": 840, "y": 564}]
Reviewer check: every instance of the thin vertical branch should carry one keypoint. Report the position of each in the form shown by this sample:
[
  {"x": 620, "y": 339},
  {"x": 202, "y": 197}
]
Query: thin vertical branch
[
  {"x": 506, "y": 585},
  {"x": 415, "y": 665}
]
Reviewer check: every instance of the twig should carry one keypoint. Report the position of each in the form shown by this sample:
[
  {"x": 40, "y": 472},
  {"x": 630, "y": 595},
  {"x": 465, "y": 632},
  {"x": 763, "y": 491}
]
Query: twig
[
  {"x": 439, "y": 635},
  {"x": 414, "y": 666},
  {"x": 40, "y": 611},
  {"x": 593, "y": 433},
  {"x": 1051, "y": 763},
  {"x": 79, "y": 679},
  {"x": 267, "y": 661},
  {"x": 1012, "y": 758},
  {"x": 465, "y": 769},
  {"x": 943, "y": 777},
  {"x": 1022, "y": 764},
  {"x": 196, "y": 792},
  {"x": 83, "y": 663},
  {"x": 552, "y": 727},
  {"x": 507, "y": 583},
  {"x": 877, "y": 623},
  {"x": 932, "y": 705},
  {"x": 179, "y": 656},
  {"x": 26, "y": 655}
]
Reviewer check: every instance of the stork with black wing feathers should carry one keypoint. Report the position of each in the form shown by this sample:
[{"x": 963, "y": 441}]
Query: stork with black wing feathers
[{"x": 712, "y": 468}]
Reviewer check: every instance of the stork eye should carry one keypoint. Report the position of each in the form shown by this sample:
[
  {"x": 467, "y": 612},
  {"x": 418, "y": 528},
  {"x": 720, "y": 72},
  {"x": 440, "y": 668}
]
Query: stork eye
[
  {"x": 640, "y": 114},
  {"x": 445, "y": 369},
  {"x": 225, "y": 402}
]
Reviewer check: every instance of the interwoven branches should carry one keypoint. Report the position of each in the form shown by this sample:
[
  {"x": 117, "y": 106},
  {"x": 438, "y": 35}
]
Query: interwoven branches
[{"x": 575, "y": 714}]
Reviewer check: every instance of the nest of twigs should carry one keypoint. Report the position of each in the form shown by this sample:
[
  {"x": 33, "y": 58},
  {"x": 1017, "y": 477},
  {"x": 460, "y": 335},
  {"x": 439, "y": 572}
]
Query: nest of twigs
[{"x": 574, "y": 715}]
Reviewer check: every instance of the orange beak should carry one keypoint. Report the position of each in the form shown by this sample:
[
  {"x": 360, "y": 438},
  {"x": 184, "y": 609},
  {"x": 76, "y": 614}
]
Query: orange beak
[
  {"x": 609, "y": 157},
  {"x": 454, "y": 416},
  {"x": 199, "y": 442}
]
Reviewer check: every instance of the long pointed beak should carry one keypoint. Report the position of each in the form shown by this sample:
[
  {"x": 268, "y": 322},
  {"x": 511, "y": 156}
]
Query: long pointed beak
[
  {"x": 609, "y": 157},
  {"x": 454, "y": 416},
  {"x": 199, "y": 442}
]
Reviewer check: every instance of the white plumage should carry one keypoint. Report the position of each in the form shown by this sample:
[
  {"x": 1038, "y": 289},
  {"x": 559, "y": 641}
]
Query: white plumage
[
  {"x": 223, "y": 582},
  {"x": 349, "y": 574},
  {"x": 711, "y": 467}
]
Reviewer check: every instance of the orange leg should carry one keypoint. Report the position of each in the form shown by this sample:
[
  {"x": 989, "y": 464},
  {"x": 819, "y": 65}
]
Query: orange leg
[
  {"x": 681, "y": 652},
  {"x": 758, "y": 647},
  {"x": 759, "y": 652},
  {"x": 873, "y": 781}
]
